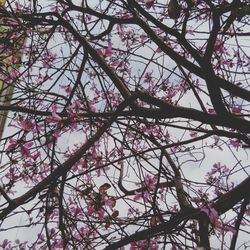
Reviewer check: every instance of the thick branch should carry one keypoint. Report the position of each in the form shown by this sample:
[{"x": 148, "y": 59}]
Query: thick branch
[
  {"x": 232, "y": 197},
  {"x": 238, "y": 223},
  {"x": 222, "y": 205},
  {"x": 164, "y": 228},
  {"x": 167, "y": 110}
]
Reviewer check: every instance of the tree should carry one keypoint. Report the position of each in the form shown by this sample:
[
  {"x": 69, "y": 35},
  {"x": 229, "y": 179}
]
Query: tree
[{"x": 129, "y": 124}]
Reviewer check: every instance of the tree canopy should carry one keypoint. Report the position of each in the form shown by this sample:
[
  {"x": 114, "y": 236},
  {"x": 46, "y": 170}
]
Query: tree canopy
[{"x": 126, "y": 124}]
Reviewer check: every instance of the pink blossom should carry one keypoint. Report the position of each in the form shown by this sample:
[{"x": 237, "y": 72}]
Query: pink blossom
[
  {"x": 5, "y": 243},
  {"x": 84, "y": 231},
  {"x": 53, "y": 118},
  {"x": 92, "y": 107},
  {"x": 150, "y": 181},
  {"x": 107, "y": 52},
  {"x": 211, "y": 111},
  {"x": 27, "y": 125},
  {"x": 235, "y": 143},
  {"x": 57, "y": 244},
  {"x": 77, "y": 105},
  {"x": 100, "y": 52},
  {"x": 149, "y": 3},
  {"x": 71, "y": 201},
  {"x": 18, "y": 6},
  {"x": 144, "y": 244},
  {"x": 216, "y": 168},
  {"x": 247, "y": 212},
  {"x": 72, "y": 127},
  {"x": 14, "y": 59},
  {"x": 138, "y": 245},
  {"x": 36, "y": 155},
  {"x": 101, "y": 213},
  {"x": 90, "y": 210},
  {"x": 25, "y": 149},
  {"x": 73, "y": 110},
  {"x": 148, "y": 77},
  {"x": 110, "y": 202},
  {"x": 66, "y": 88},
  {"x": 143, "y": 37},
  {"x": 153, "y": 245},
  {"x": 171, "y": 93},
  {"x": 52, "y": 231},
  {"x": 48, "y": 57},
  {"x": 75, "y": 167},
  {"x": 174, "y": 247},
  {"x": 237, "y": 110},
  {"x": 212, "y": 214},
  {"x": 158, "y": 50},
  {"x": 144, "y": 195},
  {"x": 219, "y": 46},
  {"x": 13, "y": 143},
  {"x": 138, "y": 196},
  {"x": 214, "y": 220},
  {"x": 193, "y": 134},
  {"x": 133, "y": 210},
  {"x": 14, "y": 74},
  {"x": 229, "y": 229},
  {"x": 40, "y": 238}
]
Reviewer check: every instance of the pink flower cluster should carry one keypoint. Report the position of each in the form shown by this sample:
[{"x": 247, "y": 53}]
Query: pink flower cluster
[
  {"x": 24, "y": 147},
  {"x": 150, "y": 184},
  {"x": 144, "y": 244},
  {"x": 106, "y": 52},
  {"x": 48, "y": 58},
  {"x": 214, "y": 220}
]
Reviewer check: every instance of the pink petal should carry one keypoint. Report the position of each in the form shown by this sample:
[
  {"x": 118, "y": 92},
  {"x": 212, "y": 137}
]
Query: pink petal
[
  {"x": 99, "y": 52},
  {"x": 108, "y": 51}
]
